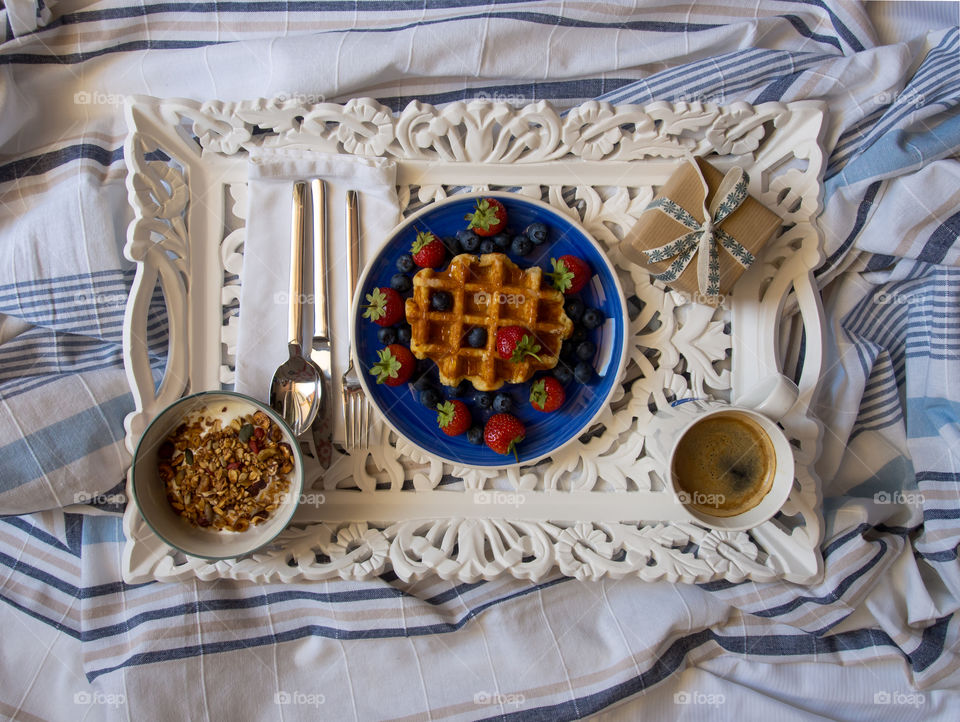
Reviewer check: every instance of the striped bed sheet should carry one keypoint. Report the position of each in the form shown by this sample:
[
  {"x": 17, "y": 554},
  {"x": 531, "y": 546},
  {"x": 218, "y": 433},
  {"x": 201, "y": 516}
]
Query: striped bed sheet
[{"x": 876, "y": 638}]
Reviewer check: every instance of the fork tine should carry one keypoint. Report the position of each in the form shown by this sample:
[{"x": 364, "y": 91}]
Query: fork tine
[
  {"x": 363, "y": 420},
  {"x": 349, "y": 422},
  {"x": 366, "y": 420},
  {"x": 353, "y": 420},
  {"x": 358, "y": 418},
  {"x": 343, "y": 413}
]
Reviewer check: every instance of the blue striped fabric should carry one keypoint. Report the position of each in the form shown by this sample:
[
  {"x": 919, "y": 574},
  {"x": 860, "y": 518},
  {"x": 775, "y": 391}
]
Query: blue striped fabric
[{"x": 881, "y": 622}]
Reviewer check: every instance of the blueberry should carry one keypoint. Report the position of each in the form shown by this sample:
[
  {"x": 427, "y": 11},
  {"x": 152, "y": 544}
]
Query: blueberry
[
  {"x": 452, "y": 244},
  {"x": 586, "y": 350},
  {"x": 441, "y": 301},
  {"x": 502, "y": 240},
  {"x": 430, "y": 398},
  {"x": 521, "y": 246},
  {"x": 592, "y": 318},
  {"x": 536, "y": 232},
  {"x": 405, "y": 263},
  {"x": 502, "y": 403},
  {"x": 459, "y": 390},
  {"x": 387, "y": 335},
  {"x": 469, "y": 240},
  {"x": 579, "y": 335},
  {"x": 423, "y": 383},
  {"x": 562, "y": 373},
  {"x": 400, "y": 283},
  {"x": 403, "y": 335},
  {"x": 477, "y": 338},
  {"x": 568, "y": 350},
  {"x": 583, "y": 373},
  {"x": 573, "y": 307},
  {"x": 483, "y": 399},
  {"x": 475, "y": 435},
  {"x": 486, "y": 246}
]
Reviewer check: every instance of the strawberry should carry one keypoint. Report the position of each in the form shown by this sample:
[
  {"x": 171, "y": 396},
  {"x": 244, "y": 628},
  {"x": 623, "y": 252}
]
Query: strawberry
[
  {"x": 428, "y": 251},
  {"x": 570, "y": 274},
  {"x": 516, "y": 343},
  {"x": 547, "y": 394},
  {"x": 384, "y": 306},
  {"x": 454, "y": 417},
  {"x": 395, "y": 365},
  {"x": 503, "y": 432},
  {"x": 489, "y": 219}
]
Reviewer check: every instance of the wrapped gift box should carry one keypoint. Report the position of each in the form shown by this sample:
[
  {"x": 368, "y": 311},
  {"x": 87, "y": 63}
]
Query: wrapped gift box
[{"x": 703, "y": 261}]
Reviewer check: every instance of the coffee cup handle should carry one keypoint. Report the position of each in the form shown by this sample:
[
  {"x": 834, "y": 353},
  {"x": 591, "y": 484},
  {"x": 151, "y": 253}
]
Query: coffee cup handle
[{"x": 773, "y": 397}]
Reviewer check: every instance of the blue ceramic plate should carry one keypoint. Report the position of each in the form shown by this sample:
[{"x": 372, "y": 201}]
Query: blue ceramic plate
[{"x": 546, "y": 433}]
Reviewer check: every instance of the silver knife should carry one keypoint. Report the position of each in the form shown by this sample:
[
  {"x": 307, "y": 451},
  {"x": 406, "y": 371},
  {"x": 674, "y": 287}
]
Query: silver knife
[{"x": 320, "y": 351}]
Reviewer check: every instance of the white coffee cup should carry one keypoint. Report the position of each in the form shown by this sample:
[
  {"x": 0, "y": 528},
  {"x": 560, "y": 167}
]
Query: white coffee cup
[{"x": 765, "y": 404}]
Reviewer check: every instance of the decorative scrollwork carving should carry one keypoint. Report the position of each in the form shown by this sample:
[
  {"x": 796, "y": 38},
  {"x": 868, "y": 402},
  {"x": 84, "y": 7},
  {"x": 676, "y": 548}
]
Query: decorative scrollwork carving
[{"x": 675, "y": 348}]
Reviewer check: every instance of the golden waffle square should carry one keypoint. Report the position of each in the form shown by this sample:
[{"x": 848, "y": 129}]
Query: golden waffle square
[{"x": 489, "y": 291}]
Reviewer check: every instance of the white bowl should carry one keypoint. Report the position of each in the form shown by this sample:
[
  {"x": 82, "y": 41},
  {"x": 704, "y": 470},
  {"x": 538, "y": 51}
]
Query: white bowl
[{"x": 149, "y": 491}]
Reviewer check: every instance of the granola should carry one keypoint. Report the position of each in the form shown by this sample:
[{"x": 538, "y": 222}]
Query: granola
[{"x": 226, "y": 477}]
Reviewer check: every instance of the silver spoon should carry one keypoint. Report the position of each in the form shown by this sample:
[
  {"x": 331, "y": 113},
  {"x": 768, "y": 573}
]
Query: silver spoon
[{"x": 296, "y": 389}]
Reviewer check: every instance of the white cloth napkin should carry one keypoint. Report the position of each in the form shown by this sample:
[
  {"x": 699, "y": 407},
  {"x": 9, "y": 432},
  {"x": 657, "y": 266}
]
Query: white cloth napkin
[{"x": 262, "y": 339}]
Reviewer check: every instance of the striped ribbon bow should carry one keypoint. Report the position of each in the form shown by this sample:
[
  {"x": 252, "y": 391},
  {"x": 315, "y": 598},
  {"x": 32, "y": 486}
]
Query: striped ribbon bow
[{"x": 703, "y": 238}]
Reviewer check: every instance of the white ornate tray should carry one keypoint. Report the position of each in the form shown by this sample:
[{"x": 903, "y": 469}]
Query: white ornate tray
[{"x": 596, "y": 508}]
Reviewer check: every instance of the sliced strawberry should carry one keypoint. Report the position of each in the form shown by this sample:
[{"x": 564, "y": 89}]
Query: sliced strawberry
[
  {"x": 547, "y": 394},
  {"x": 427, "y": 250},
  {"x": 489, "y": 218},
  {"x": 384, "y": 306},
  {"x": 516, "y": 343},
  {"x": 570, "y": 274},
  {"x": 503, "y": 432},
  {"x": 453, "y": 417},
  {"x": 395, "y": 365}
]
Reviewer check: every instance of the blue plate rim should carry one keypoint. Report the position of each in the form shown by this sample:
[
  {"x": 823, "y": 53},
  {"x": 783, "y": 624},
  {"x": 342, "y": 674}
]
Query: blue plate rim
[{"x": 509, "y": 196}]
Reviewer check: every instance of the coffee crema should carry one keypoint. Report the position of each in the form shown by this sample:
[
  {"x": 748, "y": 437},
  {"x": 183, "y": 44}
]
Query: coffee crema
[{"x": 724, "y": 464}]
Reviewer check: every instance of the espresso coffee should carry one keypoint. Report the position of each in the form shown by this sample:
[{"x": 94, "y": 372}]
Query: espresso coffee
[{"x": 724, "y": 464}]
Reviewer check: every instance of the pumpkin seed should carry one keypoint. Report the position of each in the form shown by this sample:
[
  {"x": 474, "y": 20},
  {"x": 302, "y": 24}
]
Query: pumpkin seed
[{"x": 246, "y": 431}]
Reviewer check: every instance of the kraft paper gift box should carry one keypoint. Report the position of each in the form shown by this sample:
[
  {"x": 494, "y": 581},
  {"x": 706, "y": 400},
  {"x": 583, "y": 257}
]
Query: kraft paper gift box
[{"x": 701, "y": 260}]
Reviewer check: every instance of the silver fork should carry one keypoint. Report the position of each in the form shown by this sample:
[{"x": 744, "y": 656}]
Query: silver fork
[{"x": 356, "y": 408}]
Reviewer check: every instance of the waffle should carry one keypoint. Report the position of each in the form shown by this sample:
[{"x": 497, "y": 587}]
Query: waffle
[{"x": 490, "y": 291}]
